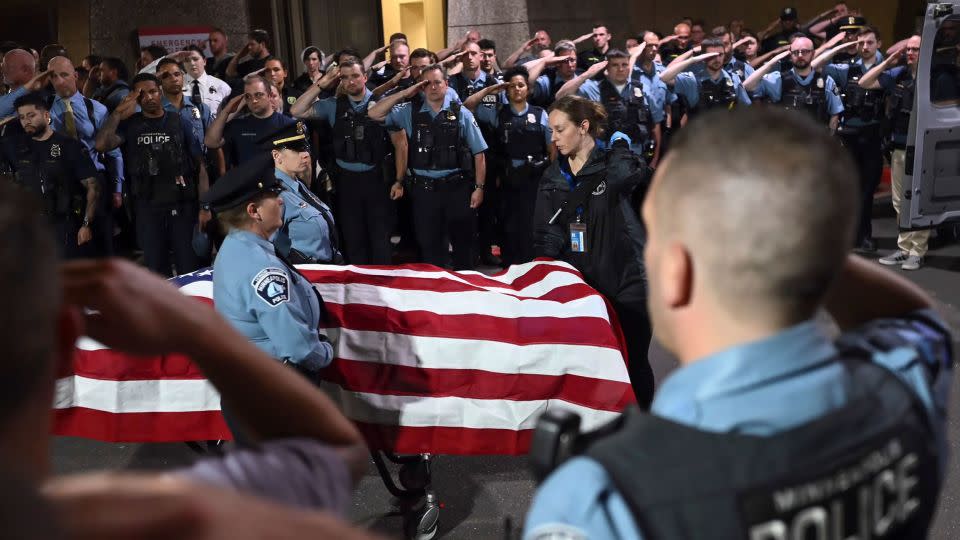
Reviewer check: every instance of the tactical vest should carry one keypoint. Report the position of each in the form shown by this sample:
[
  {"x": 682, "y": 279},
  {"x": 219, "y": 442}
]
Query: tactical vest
[
  {"x": 357, "y": 138},
  {"x": 156, "y": 159},
  {"x": 900, "y": 105},
  {"x": 866, "y": 470},
  {"x": 521, "y": 137},
  {"x": 49, "y": 179},
  {"x": 859, "y": 103},
  {"x": 464, "y": 89},
  {"x": 738, "y": 68},
  {"x": 712, "y": 95},
  {"x": 811, "y": 99},
  {"x": 630, "y": 116},
  {"x": 436, "y": 141}
]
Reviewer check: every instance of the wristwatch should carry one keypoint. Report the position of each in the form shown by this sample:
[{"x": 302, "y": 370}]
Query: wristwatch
[
  {"x": 85, "y": 223},
  {"x": 478, "y": 186}
]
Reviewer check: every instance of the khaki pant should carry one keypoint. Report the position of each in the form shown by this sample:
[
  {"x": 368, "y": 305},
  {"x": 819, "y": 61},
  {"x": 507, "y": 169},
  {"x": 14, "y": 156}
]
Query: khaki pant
[{"x": 913, "y": 242}]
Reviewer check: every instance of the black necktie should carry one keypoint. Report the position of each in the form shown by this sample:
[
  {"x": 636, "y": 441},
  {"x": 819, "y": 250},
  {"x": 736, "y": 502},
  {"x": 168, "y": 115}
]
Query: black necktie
[
  {"x": 195, "y": 96},
  {"x": 315, "y": 202}
]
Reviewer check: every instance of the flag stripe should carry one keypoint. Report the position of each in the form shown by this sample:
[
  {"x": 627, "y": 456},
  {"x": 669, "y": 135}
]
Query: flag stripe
[
  {"x": 141, "y": 427},
  {"x": 146, "y": 396}
]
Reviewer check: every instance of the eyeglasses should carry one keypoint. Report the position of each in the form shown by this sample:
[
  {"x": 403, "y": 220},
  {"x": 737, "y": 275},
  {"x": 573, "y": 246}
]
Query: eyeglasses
[
  {"x": 255, "y": 97},
  {"x": 168, "y": 74},
  {"x": 801, "y": 52}
]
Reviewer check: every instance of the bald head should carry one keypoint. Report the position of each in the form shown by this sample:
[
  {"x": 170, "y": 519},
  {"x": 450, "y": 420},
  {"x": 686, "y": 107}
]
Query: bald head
[
  {"x": 63, "y": 76},
  {"x": 762, "y": 222},
  {"x": 19, "y": 66}
]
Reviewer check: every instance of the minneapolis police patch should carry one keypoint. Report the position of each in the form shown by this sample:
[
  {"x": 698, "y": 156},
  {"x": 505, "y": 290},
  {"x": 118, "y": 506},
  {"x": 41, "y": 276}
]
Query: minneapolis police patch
[{"x": 272, "y": 286}]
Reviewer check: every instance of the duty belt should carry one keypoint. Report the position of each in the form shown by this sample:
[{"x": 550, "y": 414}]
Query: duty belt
[{"x": 434, "y": 184}]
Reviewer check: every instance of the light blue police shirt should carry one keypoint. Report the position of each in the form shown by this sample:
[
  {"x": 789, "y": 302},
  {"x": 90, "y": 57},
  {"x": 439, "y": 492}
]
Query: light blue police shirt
[
  {"x": 761, "y": 388},
  {"x": 687, "y": 85},
  {"x": 198, "y": 118},
  {"x": 87, "y": 129},
  {"x": 490, "y": 116},
  {"x": 771, "y": 87},
  {"x": 838, "y": 72},
  {"x": 272, "y": 306},
  {"x": 401, "y": 117},
  {"x": 304, "y": 228},
  {"x": 657, "y": 93},
  {"x": 326, "y": 110}
]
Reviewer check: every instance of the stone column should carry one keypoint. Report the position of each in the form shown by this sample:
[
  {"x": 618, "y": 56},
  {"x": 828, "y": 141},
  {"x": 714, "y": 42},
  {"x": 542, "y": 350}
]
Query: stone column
[{"x": 504, "y": 21}]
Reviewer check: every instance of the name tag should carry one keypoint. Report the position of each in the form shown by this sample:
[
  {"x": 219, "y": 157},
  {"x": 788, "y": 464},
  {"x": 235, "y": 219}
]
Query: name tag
[{"x": 578, "y": 237}]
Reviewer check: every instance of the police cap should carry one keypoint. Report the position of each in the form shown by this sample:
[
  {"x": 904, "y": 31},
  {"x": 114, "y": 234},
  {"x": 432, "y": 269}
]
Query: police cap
[
  {"x": 292, "y": 136},
  {"x": 241, "y": 184},
  {"x": 849, "y": 24},
  {"x": 788, "y": 14}
]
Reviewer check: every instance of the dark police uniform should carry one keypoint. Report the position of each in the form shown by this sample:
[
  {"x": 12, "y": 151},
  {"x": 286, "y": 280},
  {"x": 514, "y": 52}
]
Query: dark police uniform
[
  {"x": 442, "y": 148},
  {"x": 861, "y": 133},
  {"x": 53, "y": 170},
  {"x": 289, "y": 96},
  {"x": 831, "y": 440},
  {"x": 162, "y": 155},
  {"x": 240, "y": 135},
  {"x": 546, "y": 86},
  {"x": 698, "y": 92},
  {"x": 309, "y": 233},
  {"x": 588, "y": 220},
  {"x": 520, "y": 142},
  {"x": 363, "y": 189},
  {"x": 816, "y": 94},
  {"x": 586, "y": 59}
]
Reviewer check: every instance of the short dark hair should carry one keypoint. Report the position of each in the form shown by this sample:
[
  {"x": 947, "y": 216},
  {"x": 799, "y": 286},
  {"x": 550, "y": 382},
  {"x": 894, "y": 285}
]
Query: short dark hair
[
  {"x": 699, "y": 22},
  {"x": 347, "y": 51},
  {"x": 218, "y": 30},
  {"x": 600, "y": 24},
  {"x": 869, "y": 29},
  {"x": 196, "y": 49},
  {"x": 112, "y": 62},
  {"x": 37, "y": 99},
  {"x": 711, "y": 43},
  {"x": 167, "y": 62},
  {"x": 397, "y": 35},
  {"x": 421, "y": 53},
  {"x": 156, "y": 51},
  {"x": 434, "y": 67},
  {"x": 719, "y": 32},
  {"x": 260, "y": 36},
  {"x": 93, "y": 59},
  {"x": 141, "y": 77},
  {"x": 350, "y": 62},
  {"x": 616, "y": 53},
  {"x": 487, "y": 45},
  {"x": 514, "y": 71}
]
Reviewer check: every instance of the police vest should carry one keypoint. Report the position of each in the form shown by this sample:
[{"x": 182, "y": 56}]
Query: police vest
[
  {"x": 156, "y": 159},
  {"x": 900, "y": 105},
  {"x": 866, "y": 470},
  {"x": 436, "y": 142},
  {"x": 738, "y": 68},
  {"x": 712, "y": 95},
  {"x": 357, "y": 138},
  {"x": 521, "y": 137},
  {"x": 49, "y": 178},
  {"x": 465, "y": 89},
  {"x": 811, "y": 99},
  {"x": 860, "y": 103},
  {"x": 630, "y": 116}
]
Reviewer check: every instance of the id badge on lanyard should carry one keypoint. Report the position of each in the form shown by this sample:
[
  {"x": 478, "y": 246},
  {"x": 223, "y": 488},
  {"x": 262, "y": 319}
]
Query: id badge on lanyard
[{"x": 578, "y": 236}]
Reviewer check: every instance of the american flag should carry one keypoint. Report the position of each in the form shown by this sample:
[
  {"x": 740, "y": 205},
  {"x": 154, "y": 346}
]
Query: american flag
[{"x": 426, "y": 360}]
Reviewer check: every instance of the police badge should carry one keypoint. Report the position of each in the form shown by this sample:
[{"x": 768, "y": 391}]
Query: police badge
[
  {"x": 54, "y": 150},
  {"x": 196, "y": 113},
  {"x": 531, "y": 119},
  {"x": 820, "y": 83},
  {"x": 301, "y": 128}
]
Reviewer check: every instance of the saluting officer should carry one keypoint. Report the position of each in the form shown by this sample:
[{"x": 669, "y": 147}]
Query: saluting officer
[
  {"x": 308, "y": 234},
  {"x": 522, "y": 145},
  {"x": 711, "y": 88},
  {"x": 58, "y": 170},
  {"x": 770, "y": 429},
  {"x": 447, "y": 164},
  {"x": 800, "y": 88},
  {"x": 360, "y": 146},
  {"x": 860, "y": 129},
  {"x": 255, "y": 288}
]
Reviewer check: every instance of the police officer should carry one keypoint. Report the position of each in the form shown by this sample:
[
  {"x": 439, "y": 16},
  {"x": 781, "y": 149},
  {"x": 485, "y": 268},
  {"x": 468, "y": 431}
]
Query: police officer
[
  {"x": 783, "y": 30},
  {"x": 276, "y": 72},
  {"x": 197, "y": 116},
  {"x": 710, "y": 88},
  {"x": 860, "y": 128},
  {"x": 584, "y": 216},
  {"x": 646, "y": 72},
  {"x": 769, "y": 429},
  {"x": 523, "y": 149},
  {"x": 899, "y": 83},
  {"x": 546, "y": 86},
  {"x": 471, "y": 78},
  {"x": 58, "y": 170},
  {"x": 447, "y": 165},
  {"x": 800, "y": 88},
  {"x": 601, "y": 46},
  {"x": 308, "y": 234},
  {"x": 628, "y": 110},
  {"x": 166, "y": 175},
  {"x": 488, "y": 59},
  {"x": 238, "y": 134},
  {"x": 361, "y": 147},
  {"x": 113, "y": 83},
  {"x": 199, "y": 86},
  {"x": 254, "y": 287}
]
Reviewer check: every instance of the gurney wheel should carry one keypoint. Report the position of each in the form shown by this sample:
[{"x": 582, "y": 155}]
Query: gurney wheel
[
  {"x": 423, "y": 522},
  {"x": 414, "y": 476}
]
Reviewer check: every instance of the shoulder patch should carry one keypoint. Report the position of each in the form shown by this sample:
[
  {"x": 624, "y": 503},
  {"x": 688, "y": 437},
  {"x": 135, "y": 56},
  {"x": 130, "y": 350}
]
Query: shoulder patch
[
  {"x": 401, "y": 106},
  {"x": 272, "y": 286}
]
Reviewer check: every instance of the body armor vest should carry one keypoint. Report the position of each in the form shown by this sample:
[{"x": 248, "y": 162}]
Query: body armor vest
[
  {"x": 900, "y": 105},
  {"x": 630, "y": 116},
  {"x": 521, "y": 137},
  {"x": 860, "y": 103},
  {"x": 49, "y": 179},
  {"x": 357, "y": 138},
  {"x": 157, "y": 159},
  {"x": 811, "y": 99},
  {"x": 436, "y": 141}
]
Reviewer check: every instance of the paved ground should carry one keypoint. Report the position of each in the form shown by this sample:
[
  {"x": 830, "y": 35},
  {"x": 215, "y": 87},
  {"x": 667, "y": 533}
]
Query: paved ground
[{"x": 480, "y": 494}]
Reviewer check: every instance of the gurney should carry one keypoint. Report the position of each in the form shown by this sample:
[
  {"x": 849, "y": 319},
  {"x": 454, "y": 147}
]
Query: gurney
[{"x": 427, "y": 363}]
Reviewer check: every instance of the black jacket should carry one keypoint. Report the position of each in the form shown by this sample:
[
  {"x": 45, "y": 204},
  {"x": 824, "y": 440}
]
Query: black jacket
[{"x": 615, "y": 235}]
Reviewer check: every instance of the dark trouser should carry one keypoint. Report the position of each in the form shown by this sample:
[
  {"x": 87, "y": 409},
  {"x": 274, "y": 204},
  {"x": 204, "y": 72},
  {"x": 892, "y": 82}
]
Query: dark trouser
[
  {"x": 103, "y": 222},
  {"x": 441, "y": 209},
  {"x": 165, "y": 228},
  {"x": 518, "y": 194},
  {"x": 866, "y": 149},
  {"x": 488, "y": 215},
  {"x": 635, "y": 323},
  {"x": 365, "y": 216},
  {"x": 66, "y": 229}
]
